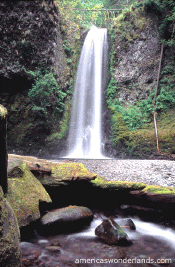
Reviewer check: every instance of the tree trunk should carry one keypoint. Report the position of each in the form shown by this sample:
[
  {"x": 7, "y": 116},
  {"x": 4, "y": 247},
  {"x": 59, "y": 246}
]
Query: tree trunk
[
  {"x": 155, "y": 97},
  {"x": 3, "y": 148}
]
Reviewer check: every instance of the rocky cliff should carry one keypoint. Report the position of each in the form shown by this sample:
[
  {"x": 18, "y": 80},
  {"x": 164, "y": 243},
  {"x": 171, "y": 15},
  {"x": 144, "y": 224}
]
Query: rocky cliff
[
  {"x": 135, "y": 58},
  {"x": 33, "y": 37}
]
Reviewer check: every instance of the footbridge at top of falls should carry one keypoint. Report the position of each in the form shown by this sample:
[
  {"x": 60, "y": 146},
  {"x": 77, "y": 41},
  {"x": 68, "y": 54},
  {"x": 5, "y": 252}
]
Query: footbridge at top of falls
[{"x": 101, "y": 17}]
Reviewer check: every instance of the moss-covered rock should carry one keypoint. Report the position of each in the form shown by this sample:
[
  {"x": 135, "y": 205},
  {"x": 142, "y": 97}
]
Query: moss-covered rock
[
  {"x": 67, "y": 172},
  {"x": 71, "y": 183},
  {"x": 61, "y": 173},
  {"x": 101, "y": 182},
  {"x": 9, "y": 235},
  {"x": 155, "y": 189},
  {"x": 138, "y": 194},
  {"x": 25, "y": 192},
  {"x": 117, "y": 185}
]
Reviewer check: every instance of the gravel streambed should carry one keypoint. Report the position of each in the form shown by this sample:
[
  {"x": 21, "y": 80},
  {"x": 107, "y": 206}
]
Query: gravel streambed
[{"x": 150, "y": 172}]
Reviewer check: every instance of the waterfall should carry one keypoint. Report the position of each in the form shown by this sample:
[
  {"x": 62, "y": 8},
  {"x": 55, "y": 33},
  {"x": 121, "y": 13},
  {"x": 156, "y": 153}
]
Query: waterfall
[{"x": 85, "y": 134}]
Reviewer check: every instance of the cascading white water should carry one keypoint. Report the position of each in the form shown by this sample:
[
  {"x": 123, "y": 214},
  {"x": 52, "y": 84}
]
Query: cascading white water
[
  {"x": 84, "y": 139},
  {"x": 142, "y": 228}
]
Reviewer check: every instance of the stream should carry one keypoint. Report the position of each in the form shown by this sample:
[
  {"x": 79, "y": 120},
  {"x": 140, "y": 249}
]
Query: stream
[{"x": 152, "y": 245}]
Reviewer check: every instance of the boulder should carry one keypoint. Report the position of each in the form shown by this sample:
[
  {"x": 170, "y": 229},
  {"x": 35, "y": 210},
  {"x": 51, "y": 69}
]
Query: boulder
[
  {"x": 111, "y": 233},
  {"x": 9, "y": 235},
  {"x": 53, "y": 174},
  {"x": 24, "y": 192},
  {"x": 69, "y": 219},
  {"x": 66, "y": 172},
  {"x": 128, "y": 223}
]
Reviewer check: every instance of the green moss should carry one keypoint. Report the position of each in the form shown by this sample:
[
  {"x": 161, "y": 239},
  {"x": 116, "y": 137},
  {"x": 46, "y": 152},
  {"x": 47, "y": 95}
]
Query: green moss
[
  {"x": 117, "y": 185},
  {"x": 71, "y": 171},
  {"x": 142, "y": 142},
  {"x": 59, "y": 135},
  {"x": 24, "y": 194},
  {"x": 159, "y": 190},
  {"x": 129, "y": 25},
  {"x": 101, "y": 182}
]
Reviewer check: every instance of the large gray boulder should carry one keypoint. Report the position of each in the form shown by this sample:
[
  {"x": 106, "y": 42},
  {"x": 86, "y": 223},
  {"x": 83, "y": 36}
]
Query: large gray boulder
[{"x": 70, "y": 218}]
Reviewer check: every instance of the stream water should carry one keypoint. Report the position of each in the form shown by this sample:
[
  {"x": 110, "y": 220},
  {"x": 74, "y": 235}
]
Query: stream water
[{"x": 152, "y": 245}]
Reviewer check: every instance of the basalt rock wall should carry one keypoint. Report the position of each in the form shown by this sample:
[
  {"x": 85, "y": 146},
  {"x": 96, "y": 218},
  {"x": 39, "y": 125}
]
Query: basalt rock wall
[
  {"x": 31, "y": 34},
  {"x": 31, "y": 38}
]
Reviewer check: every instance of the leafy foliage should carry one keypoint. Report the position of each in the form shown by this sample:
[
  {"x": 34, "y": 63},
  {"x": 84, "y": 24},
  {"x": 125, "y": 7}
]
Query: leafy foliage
[
  {"x": 165, "y": 9},
  {"x": 135, "y": 116},
  {"x": 47, "y": 98},
  {"x": 87, "y": 13},
  {"x": 80, "y": 11}
]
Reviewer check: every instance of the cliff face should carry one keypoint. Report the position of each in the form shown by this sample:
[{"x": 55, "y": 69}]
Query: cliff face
[
  {"x": 31, "y": 38},
  {"x": 135, "y": 54},
  {"x": 137, "y": 64}
]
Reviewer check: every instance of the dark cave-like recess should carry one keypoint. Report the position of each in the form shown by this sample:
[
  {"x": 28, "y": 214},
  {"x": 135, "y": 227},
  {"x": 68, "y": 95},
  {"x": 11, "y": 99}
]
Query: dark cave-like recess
[{"x": 15, "y": 84}]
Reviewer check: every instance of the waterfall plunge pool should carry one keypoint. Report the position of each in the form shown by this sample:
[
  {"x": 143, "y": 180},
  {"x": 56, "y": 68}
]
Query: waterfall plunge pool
[{"x": 152, "y": 245}]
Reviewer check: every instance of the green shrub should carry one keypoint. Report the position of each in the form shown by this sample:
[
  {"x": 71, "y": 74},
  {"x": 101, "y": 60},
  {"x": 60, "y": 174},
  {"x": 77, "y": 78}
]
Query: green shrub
[
  {"x": 153, "y": 6},
  {"x": 146, "y": 107},
  {"x": 119, "y": 128},
  {"x": 111, "y": 92},
  {"x": 165, "y": 100},
  {"x": 165, "y": 9},
  {"x": 132, "y": 117},
  {"x": 47, "y": 98}
]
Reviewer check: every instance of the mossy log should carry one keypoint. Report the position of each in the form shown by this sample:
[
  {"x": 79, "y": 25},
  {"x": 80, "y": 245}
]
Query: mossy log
[{"x": 3, "y": 148}]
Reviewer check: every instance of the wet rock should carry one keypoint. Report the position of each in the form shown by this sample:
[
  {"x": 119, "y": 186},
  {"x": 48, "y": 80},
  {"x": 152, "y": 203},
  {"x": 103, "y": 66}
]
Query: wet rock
[
  {"x": 128, "y": 223},
  {"x": 111, "y": 233},
  {"x": 53, "y": 249},
  {"x": 28, "y": 249},
  {"x": 70, "y": 218},
  {"x": 30, "y": 254},
  {"x": 54, "y": 246}
]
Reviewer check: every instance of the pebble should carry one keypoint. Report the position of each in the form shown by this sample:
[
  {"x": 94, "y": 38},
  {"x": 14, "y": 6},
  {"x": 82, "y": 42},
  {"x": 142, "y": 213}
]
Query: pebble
[{"x": 150, "y": 172}]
